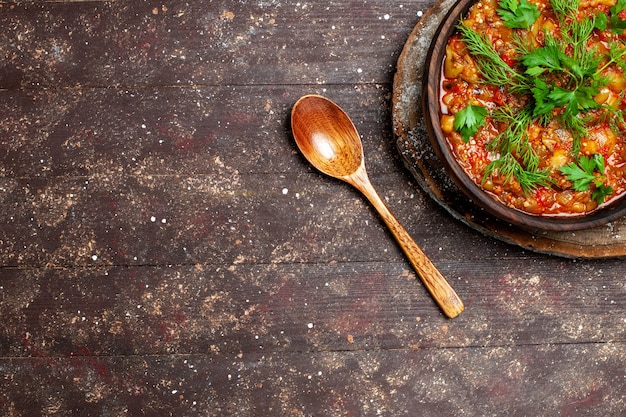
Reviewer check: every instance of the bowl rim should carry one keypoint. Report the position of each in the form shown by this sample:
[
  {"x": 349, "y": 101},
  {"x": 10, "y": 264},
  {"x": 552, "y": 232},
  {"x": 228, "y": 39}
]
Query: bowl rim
[{"x": 431, "y": 110}]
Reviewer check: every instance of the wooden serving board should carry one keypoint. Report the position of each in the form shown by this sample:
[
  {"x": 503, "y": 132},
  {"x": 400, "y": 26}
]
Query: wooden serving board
[{"x": 420, "y": 159}]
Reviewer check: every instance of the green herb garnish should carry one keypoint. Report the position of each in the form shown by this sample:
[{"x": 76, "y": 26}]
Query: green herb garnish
[
  {"x": 565, "y": 8},
  {"x": 548, "y": 58},
  {"x": 560, "y": 79},
  {"x": 493, "y": 69},
  {"x": 588, "y": 170},
  {"x": 517, "y": 158},
  {"x": 468, "y": 120},
  {"x": 509, "y": 167},
  {"x": 580, "y": 98},
  {"x": 518, "y": 14},
  {"x": 617, "y": 23}
]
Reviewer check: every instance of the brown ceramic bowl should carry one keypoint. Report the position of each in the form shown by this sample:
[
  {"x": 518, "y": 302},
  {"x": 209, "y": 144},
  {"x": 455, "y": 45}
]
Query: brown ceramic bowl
[{"x": 431, "y": 111}]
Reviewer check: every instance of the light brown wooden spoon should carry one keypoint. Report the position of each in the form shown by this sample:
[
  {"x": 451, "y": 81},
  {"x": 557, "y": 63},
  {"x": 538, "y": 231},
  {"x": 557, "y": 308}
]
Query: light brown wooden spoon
[{"x": 328, "y": 139}]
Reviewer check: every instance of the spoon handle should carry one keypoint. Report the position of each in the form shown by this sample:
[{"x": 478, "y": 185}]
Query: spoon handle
[{"x": 439, "y": 288}]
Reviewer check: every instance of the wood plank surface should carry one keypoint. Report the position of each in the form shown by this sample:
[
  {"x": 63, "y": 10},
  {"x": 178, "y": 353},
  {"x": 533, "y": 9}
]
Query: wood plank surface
[
  {"x": 565, "y": 380},
  {"x": 174, "y": 131},
  {"x": 300, "y": 307},
  {"x": 103, "y": 44},
  {"x": 166, "y": 251}
]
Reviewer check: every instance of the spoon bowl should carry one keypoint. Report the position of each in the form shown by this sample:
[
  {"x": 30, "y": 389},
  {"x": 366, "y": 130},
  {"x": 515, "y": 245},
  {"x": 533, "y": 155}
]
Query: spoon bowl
[
  {"x": 329, "y": 140},
  {"x": 333, "y": 148}
]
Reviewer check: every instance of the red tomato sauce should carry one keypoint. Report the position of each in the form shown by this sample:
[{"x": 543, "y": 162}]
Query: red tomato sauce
[{"x": 604, "y": 125}]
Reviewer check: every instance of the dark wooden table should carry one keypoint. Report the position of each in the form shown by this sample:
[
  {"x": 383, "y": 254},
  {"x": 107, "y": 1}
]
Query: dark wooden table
[{"x": 165, "y": 250}]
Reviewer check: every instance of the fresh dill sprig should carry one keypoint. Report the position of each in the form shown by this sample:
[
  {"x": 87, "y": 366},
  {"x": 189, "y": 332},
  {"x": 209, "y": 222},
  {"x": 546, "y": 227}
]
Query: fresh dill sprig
[
  {"x": 565, "y": 8},
  {"x": 509, "y": 167},
  {"x": 584, "y": 60},
  {"x": 493, "y": 69},
  {"x": 617, "y": 56},
  {"x": 514, "y": 139},
  {"x": 517, "y": 157}
]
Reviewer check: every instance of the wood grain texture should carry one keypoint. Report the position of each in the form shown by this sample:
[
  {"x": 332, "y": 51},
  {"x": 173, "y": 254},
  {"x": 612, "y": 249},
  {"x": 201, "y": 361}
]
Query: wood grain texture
[
  {"x": 165, "y": 250},
  {"x": 198, "y": 308},
  {"x": 103, "y": 44},
  {"x": 584, "y": 381}
]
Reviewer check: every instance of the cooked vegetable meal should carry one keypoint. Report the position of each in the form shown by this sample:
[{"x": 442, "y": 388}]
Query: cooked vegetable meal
[{"x": 533, "y": 102}]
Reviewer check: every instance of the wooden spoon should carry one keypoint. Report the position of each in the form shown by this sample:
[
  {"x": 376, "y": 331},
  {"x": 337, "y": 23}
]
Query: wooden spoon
[{"x": 328, "y": 139}]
